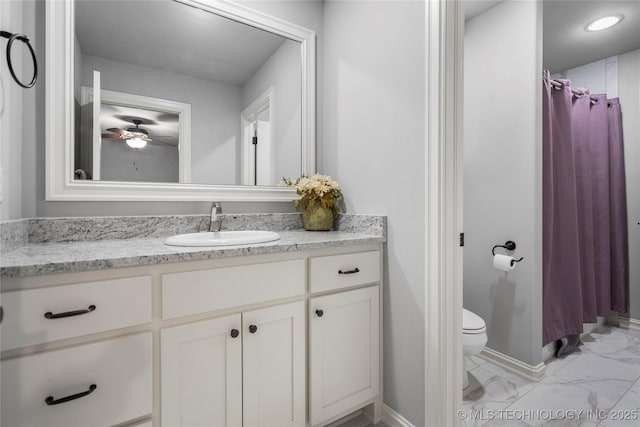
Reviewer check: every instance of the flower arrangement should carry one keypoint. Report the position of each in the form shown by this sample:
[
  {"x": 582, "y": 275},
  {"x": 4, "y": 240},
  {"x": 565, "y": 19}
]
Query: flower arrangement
[
  {"x": 319, "y": 198},
  {"x": 319, "y": 188}
]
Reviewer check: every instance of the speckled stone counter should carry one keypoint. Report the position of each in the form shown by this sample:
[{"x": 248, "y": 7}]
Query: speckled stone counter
[{"x": 57, "y": 245}]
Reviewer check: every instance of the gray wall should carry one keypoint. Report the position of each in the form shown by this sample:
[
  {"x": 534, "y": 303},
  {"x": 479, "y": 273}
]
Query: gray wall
[
  {"x": 215, "y": 111},
  {"x": 374, "y": 133},
  {"x": 503, "y": 175},
  {"x": 154, "y": 163},
  {"x": 283, "y": 73},
  {"x": 629, "y": 93},
  {"x": 11, "y": 100}
]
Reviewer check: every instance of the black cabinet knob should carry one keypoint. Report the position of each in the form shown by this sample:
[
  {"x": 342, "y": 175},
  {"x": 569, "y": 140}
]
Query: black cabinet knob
[
  {"x": 319, "y": 313},
  {"x": 253, "y": 329},
  {"x": 235, "y": 333}
]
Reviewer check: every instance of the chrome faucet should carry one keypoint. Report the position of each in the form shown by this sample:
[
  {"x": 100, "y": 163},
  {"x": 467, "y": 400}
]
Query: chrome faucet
[{"x": 216, "y": 223}]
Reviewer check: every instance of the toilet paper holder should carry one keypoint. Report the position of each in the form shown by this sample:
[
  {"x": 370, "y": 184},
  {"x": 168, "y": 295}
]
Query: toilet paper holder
[{"x": 509, "y": 245}]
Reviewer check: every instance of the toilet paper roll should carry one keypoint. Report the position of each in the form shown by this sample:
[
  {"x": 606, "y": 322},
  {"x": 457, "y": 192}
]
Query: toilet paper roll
[{"x": 503, "y": 262}]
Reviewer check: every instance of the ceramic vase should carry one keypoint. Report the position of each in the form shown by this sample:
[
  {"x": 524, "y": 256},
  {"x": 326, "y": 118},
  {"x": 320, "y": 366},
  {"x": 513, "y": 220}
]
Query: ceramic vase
[{"x": 317, "y": 218}]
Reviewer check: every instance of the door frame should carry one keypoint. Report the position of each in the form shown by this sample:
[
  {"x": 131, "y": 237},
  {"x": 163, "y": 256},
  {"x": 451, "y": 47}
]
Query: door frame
[
  {"x": 443, "y": 162},
  {"x": 247, "y": 116}
]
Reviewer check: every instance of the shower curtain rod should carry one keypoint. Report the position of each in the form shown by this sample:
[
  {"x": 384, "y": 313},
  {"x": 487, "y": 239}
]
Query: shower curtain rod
[{"x": 574, "y": 91}]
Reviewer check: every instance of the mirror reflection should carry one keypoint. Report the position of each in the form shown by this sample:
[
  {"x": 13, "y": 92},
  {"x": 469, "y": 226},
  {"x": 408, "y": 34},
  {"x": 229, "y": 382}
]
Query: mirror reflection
[{"x": 204, "y": 100}]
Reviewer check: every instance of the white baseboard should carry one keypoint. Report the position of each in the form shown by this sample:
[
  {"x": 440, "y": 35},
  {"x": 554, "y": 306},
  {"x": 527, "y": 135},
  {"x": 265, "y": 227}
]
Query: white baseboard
[
  {"x": 533, "y": 373},
  {"x": 629, "y": 323},
  {"x": 391, "y": 418},
  {"x": 549, "y": 351}
]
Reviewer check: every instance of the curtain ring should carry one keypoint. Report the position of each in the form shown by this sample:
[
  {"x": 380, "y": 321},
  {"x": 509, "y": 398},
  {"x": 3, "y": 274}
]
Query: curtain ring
[{"x": 25, "y": 40}]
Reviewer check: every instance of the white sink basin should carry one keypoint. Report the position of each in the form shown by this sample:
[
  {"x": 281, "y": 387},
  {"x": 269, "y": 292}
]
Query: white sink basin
[{"x": 222, "y": 238}]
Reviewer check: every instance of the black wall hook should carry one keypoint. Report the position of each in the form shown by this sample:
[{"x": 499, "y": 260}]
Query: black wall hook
[{"x": 509, "y": 245}]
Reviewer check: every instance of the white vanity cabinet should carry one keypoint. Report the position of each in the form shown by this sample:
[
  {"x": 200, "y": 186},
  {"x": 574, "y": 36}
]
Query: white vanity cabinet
[
  {"x": 240, "y": 370},
  {"x": 235, "y": 342}
]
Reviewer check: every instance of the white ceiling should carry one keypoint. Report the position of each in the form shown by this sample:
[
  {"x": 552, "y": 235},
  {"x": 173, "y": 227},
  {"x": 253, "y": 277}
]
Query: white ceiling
[
  {"x": 171, "y": 36},
  {"x": 567, "y": 44},
  {"x": 476, "y": 7}
]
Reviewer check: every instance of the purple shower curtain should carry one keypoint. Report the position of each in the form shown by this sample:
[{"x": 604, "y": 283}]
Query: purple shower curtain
[
  {"x": 584, "y": 210},
  {"x": 618, "y": 199}
]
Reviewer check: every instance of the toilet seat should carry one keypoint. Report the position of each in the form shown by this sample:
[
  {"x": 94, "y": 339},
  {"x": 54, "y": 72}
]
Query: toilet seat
[{"x": 472, "y": 323}]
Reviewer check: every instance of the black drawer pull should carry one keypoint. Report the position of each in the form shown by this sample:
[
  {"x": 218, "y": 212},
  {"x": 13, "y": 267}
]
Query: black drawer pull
[
  {"x": 319, "y": 313},
  {"x": 355, "y": 270},
  {"x": 253, "y": 329},
  {"x": 51, "y": 401},
  {"x": 50, "y": 315},
  {"x": 235, "y": 333}
]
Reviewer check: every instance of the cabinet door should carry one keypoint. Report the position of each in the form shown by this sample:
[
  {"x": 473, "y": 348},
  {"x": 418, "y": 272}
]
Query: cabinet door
[
  {"x": 274, "y": 366},
  {"x": 344, "y": 351},
  {"x": 202, "y": 374}
]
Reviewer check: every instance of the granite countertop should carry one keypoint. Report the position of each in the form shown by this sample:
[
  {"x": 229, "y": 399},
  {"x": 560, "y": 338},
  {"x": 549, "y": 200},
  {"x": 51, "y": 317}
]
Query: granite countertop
[{"x": 56, "y": 256}]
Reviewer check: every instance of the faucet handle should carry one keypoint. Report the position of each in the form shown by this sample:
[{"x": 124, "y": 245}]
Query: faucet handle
[{"x": 216, "y": 207}]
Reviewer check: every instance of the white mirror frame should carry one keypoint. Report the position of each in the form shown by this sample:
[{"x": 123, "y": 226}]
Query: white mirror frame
[{"x": 59, "y": 126}]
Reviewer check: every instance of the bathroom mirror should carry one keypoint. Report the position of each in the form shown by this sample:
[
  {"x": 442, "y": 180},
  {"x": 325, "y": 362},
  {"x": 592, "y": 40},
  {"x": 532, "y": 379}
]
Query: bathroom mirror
[{"x": 217, "y": 104}]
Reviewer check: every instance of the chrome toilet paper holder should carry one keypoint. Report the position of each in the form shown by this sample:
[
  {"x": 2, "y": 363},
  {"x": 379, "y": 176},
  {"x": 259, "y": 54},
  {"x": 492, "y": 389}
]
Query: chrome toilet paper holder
[{"x": 509, "y": 245}]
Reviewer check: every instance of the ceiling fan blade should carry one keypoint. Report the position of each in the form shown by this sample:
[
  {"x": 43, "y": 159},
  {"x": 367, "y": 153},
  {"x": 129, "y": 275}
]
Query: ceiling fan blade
[
  {"x": 111, "y": 136},
  {"x": 117, "y": 130}
]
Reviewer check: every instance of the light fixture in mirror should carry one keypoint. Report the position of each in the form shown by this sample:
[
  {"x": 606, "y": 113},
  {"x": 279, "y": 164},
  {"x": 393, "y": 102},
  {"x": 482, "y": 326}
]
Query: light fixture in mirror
[
  {"x": 232, "y": 72},
  {"x": 136, "y": 142}
]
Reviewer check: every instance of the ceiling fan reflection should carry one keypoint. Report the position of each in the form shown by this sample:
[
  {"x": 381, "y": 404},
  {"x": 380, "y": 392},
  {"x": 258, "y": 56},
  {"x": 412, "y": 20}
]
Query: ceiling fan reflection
[{"x": 135, "y": 137}]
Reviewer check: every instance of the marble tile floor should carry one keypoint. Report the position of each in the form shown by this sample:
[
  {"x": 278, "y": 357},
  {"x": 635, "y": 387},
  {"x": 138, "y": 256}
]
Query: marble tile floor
[{"x": 597, "y": 386}]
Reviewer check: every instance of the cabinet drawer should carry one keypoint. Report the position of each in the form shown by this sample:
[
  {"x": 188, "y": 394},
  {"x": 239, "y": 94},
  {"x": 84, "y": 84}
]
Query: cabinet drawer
[
  {"x": 201, "y": 291},
  {"x": 342, "y": 271},
  {"x": 119, "y": 368},
  {"x": 107, "y": 305}
]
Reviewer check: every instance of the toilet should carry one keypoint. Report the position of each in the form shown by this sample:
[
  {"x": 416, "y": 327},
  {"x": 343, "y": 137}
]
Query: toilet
[{"x": 474, "y": 338}]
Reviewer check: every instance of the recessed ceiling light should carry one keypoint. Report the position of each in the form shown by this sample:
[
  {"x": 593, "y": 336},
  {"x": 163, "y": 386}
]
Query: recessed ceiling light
[{"x": 603, "y": 23}]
